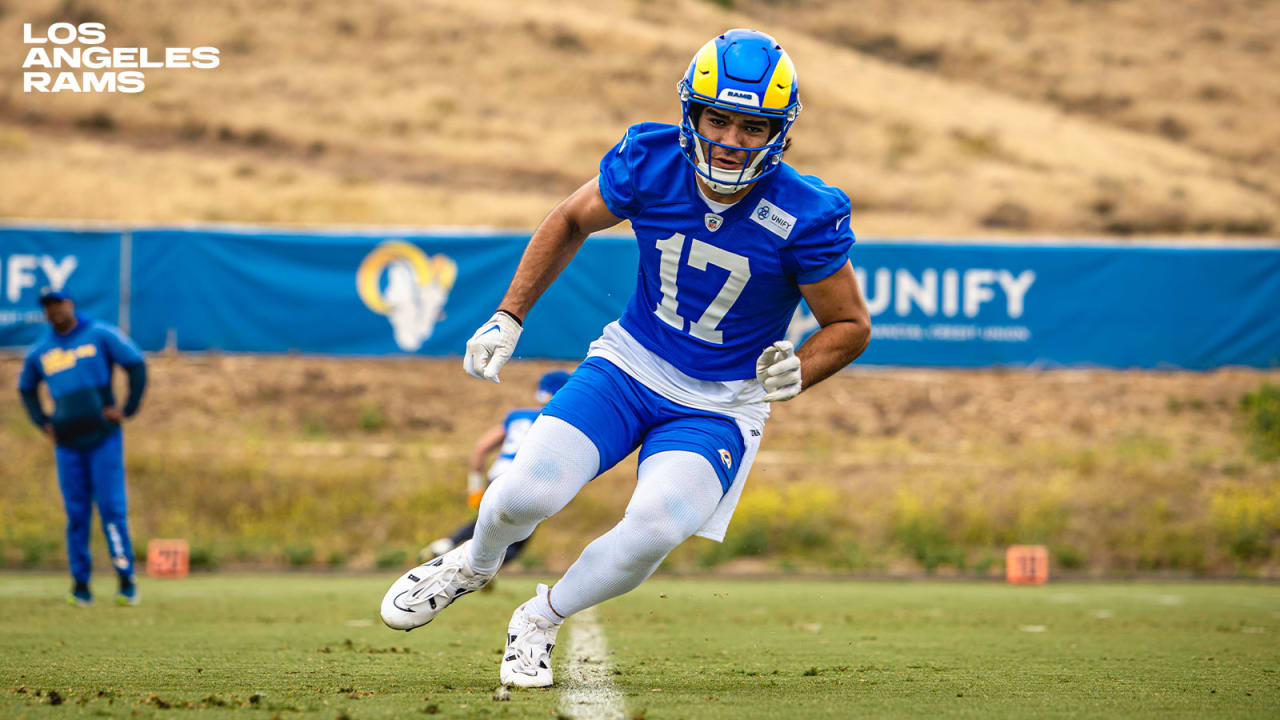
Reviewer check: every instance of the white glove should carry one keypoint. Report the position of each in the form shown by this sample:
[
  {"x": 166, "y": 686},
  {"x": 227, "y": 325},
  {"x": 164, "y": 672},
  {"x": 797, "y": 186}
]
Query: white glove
[
  {"x": 778, "y": 370},
  {"x": 475, "y": 482},
  {"x": 491, "y": 347},
  {"x": 475, "y": 489}
]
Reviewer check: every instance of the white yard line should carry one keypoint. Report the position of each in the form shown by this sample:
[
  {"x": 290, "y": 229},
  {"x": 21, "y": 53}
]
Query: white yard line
[{"x": 588, "y": 691}]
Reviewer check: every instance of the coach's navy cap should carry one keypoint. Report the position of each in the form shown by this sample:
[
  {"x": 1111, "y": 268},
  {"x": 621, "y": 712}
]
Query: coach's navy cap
[{"x": 49, "y": 295}]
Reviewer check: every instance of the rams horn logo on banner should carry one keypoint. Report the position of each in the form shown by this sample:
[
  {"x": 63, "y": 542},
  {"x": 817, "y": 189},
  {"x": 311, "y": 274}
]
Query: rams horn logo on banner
[{"x": 415, "y": 292}]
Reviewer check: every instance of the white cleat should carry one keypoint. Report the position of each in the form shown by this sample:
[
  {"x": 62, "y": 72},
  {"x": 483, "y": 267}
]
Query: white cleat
[
  {"x": 530, "y": 640},
  {"x": 420, "y": 594}
]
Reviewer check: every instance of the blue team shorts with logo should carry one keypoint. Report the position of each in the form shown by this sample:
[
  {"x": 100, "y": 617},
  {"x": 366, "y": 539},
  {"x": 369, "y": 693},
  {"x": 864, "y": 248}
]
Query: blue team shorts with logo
[{"x": 618, "y": 413}]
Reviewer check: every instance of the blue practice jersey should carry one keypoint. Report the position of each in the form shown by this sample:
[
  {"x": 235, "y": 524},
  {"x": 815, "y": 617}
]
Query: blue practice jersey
[
  {"x": 516, "y": 426},
  {"x": 714, "y": 290},
  {"x": 77, "y": 367}
]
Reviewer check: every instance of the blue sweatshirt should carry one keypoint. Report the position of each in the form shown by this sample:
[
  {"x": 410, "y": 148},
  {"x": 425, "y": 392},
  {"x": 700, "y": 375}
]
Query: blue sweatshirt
[{"x": 77, "y": 367}]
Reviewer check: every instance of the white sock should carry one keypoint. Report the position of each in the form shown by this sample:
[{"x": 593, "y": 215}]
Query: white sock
[
  {"x": 542, "y": 604},
  {"x": 676, "y": 491},
  {"x": 554, "y": 462}
]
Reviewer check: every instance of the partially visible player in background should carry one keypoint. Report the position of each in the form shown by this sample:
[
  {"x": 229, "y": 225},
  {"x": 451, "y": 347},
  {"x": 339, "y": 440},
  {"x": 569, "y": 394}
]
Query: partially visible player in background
[
  {"x": 507, "y": 435},
  {"x": 75, "y": 358}
]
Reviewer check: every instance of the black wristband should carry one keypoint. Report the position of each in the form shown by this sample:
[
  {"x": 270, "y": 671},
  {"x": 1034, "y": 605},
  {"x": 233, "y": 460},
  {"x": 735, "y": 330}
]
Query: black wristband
[{"x": 513, "y": 316}]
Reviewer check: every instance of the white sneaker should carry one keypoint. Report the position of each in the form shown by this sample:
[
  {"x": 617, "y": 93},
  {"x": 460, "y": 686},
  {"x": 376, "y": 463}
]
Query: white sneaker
[
  {"x": 420, "y": 594},
  {"x": 530, "y": 640}
]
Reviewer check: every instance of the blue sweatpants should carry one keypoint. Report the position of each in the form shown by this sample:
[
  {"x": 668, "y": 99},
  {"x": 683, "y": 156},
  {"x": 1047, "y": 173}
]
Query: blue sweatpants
[{"x": 89, "y": 476}]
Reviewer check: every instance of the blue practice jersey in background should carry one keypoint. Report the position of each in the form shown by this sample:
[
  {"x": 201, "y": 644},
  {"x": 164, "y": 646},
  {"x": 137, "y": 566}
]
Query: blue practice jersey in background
[
  {"x": 516, "y": 426},
  {"x": 715, "y": 289},
  {"x": 77, "y": 367}
]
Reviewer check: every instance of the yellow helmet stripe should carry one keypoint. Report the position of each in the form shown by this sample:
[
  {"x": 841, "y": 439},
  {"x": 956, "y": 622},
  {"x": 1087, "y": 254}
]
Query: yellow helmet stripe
[
  {"x": 784, "y": 78},
  {"x": 706, "y": 70}
]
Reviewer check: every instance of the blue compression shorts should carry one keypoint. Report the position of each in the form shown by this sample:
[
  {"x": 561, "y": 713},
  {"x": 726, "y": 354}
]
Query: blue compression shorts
[{"x": 618, "y": 413}]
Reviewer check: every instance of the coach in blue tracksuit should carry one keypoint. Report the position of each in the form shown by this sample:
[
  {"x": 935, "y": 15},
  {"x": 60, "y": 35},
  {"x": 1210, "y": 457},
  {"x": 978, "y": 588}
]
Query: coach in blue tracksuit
[{"x": 75, "y": 357}]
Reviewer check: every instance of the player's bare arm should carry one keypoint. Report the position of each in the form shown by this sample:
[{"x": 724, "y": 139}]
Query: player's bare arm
[
  {"x": 490, "y": 441},
  {"x": 555, "y": 242},
  {"x": 552, "y": 246},
  {"x": 844, "y": 330},
  {"x": 844, "y": 326}
]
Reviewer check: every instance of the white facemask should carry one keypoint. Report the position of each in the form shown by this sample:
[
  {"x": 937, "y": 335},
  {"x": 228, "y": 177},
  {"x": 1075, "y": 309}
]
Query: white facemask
[{"x": 728, "y": 178}]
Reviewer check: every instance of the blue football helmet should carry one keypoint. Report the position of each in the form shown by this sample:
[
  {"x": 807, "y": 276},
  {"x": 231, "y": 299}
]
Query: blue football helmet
[
  {"x": 550, "y": 383},
  {"x": 743, "y": 71}
]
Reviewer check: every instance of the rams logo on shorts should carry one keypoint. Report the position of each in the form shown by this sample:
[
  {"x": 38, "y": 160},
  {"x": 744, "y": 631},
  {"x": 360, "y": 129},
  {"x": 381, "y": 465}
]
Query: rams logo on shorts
[
  {"x": 726, "y": 458},
  {"x": 400, "y": 281}
]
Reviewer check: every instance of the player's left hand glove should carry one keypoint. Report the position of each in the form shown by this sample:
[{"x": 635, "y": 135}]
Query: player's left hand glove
[
  {"x": 778, "y": 370},
  {"x": 491, "y": 347}
]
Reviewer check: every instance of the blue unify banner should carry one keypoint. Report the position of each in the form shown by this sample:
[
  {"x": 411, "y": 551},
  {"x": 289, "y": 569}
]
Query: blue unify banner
[
  {"x": 933, "y": 303},
  {"x": 971, "y": 305},
  {"x": 84, "y": 263},
  {"x": 360, "y": 293}
]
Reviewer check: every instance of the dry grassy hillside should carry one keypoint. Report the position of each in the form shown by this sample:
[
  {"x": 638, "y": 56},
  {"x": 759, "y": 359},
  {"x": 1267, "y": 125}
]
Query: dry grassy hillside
[
  {"x": 1199, "y": 74},
  {"x": 938, "y": 117}
]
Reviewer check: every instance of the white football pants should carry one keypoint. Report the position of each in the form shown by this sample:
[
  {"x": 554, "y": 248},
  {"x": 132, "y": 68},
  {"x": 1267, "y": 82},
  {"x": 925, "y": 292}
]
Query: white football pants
[{"x": 676, "y": 492}]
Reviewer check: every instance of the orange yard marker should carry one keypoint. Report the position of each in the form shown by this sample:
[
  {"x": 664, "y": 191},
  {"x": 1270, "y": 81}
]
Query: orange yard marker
[
  {"x": 168, "y": 558},
  {"x": 1027, "y": 565}
]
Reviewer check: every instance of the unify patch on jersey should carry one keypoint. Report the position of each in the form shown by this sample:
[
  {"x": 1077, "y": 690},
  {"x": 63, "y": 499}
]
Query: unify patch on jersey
[{"x": 773, "y": 218}]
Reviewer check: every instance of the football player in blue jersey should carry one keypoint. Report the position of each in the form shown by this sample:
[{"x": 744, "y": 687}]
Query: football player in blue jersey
[
  {"x": 75, "y": 359},
  {"x": 731, "y": 238},
  {"x": 504, "y": 437}
]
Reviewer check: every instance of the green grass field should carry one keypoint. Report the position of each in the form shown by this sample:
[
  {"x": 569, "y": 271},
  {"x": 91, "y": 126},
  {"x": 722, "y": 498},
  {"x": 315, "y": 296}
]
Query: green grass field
[{"x": 311, "y": 646}]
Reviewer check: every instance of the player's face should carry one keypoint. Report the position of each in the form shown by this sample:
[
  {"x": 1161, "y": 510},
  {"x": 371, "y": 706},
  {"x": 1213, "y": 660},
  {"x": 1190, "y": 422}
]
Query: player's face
[
  {"x": 732, "y": 128},
  {"x": 60, "y": 314}
]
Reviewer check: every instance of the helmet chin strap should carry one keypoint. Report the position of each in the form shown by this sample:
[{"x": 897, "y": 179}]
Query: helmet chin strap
[{"x": 728, "y": 186}]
